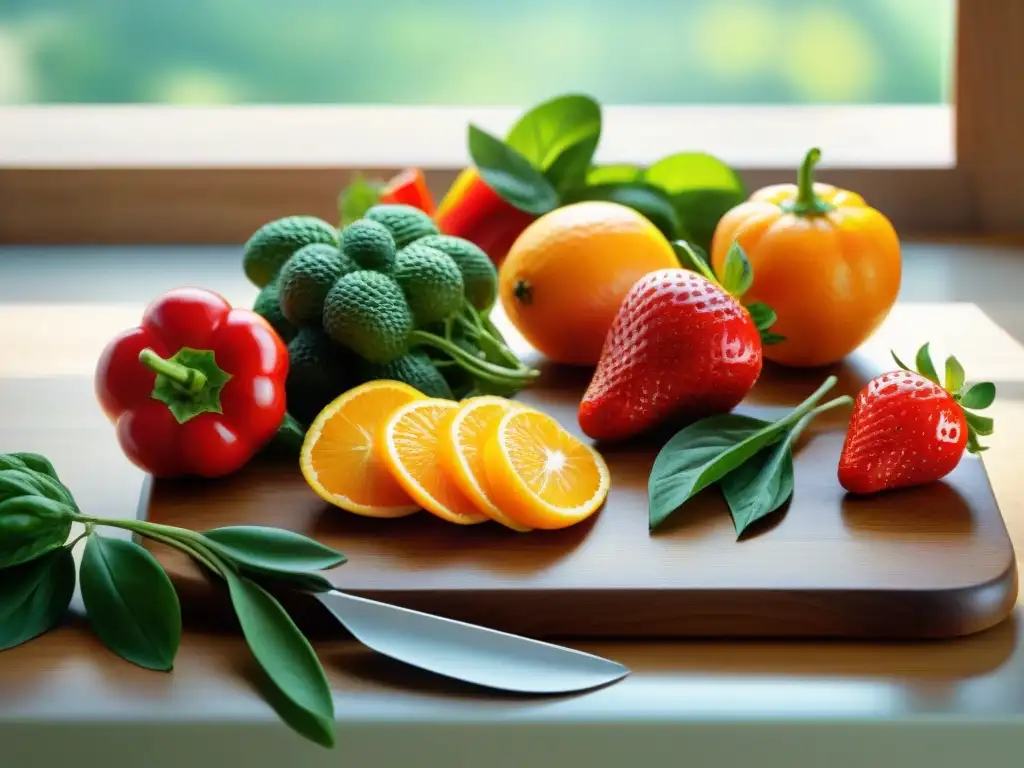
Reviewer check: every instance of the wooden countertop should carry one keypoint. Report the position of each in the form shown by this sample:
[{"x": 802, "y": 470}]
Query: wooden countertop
[{"x": 50, "y": 343}]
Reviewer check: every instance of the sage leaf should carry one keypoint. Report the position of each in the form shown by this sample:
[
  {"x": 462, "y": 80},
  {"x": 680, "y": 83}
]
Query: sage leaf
[
  {"x": 34, "y": 596},
  {"x": 547, "y": 131},
  {"x": 761, "y": 485},
  {"x": 273, "y": 549},
  {"x": 738, "y": 275},
  {"x": 131, "y": 603},
  {"x": 979, "y": 396},
  {"x": 954, "y": 375},
  {"x": 30, "y": 525},
  {"x": 701, "y": 454},
  {"x": 642, "y": 197},
  {"x": 286, "y": 656},
  {"x": 925, "y": 366},
  {"x": 510, "y": 174}
]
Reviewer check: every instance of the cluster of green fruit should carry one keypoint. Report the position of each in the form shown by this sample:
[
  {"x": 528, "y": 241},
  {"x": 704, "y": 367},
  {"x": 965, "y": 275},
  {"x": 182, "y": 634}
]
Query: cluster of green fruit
[{"x": 387, "y": 297}]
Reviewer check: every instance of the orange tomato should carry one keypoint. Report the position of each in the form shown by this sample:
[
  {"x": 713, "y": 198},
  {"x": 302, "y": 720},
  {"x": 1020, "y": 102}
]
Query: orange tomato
[
  {"x": 567, "y": 273},
  {"x": 822, "y": 258}
]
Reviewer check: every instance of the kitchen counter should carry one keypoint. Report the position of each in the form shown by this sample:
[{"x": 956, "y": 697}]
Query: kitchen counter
[{"x": 64, "y": 697}]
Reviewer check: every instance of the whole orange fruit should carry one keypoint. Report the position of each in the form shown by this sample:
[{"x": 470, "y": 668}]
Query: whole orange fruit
[{"x": 567, "y": 273}]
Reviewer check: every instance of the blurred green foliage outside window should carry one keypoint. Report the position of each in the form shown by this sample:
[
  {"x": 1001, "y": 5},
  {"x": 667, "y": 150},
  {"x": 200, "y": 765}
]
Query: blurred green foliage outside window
[{"x": 475, "y": 52}]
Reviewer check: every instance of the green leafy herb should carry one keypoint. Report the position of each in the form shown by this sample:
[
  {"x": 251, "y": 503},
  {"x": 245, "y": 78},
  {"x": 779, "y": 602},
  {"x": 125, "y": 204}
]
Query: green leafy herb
[
  {"x": 707, "y": 451},
  {"x": 285, "y": 655},
  {"x": 131, "y": 602},
  {"x": 273, "y": 549},
  {"x": 357, "y": 198},
  {"x": 551, "y": 129},
  {"x": 510, "y": 174},
  {"x": 614, "y": 174},
  {"x": 645, "y": 198},
  {"x": 34, "y": 596},
  {"x": 569, "y": 170},
  {"x": 976, "y": 397},
  {"x": 702, "y": 189},
  {"x": 763, "y": 484}
]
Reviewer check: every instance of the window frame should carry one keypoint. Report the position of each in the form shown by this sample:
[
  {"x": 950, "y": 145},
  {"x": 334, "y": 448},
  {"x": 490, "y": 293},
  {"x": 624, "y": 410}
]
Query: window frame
[{"x": 966, "y": 179}]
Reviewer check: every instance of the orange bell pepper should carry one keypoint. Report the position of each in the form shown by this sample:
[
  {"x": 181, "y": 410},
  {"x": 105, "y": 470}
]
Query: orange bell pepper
[
  {"x": 823, "y": 259},
  {"x": 475, "y": 212}
]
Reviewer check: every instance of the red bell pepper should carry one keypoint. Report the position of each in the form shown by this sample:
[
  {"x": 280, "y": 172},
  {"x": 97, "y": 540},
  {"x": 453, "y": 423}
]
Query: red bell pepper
[
  {"x": 197, "y": 388},
  {"x": 475, "y": 212},
  {"x": 409, "y": 188}
]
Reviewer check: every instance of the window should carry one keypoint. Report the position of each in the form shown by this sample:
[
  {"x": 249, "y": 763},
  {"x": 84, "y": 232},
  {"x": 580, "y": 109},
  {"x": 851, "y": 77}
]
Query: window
[{"x": 164, "y": 110}]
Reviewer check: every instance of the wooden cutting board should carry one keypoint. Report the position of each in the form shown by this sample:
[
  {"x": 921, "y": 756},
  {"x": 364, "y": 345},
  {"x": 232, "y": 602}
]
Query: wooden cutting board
[{"x": 929, "y": 562}]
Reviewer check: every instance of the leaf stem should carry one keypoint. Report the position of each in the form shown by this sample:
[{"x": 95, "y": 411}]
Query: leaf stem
[
  {"x": 189, "y": 542},
  {"x": 483, "y": 369},
  {"x": 807, "y": 405}
]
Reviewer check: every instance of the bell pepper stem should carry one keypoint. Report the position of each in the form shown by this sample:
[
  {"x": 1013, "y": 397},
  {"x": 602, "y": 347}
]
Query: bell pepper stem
[
  {"x": 189, "y": 379},
  {"x": 807, "y": 202}
]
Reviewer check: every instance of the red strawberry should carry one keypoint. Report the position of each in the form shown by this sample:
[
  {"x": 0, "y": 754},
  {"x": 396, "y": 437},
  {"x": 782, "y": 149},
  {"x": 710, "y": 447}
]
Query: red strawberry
[
  {"x": 907, "y": 430},
  {"x": 680, "y": 348}
]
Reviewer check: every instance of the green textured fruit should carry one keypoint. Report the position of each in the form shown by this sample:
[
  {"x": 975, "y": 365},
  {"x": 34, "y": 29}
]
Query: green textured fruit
[
  {"x": 406, "y": 223},
  {"x": 479, "y": 275},
  {"x": 367, "y": 312},
  {"x": 306, "y": 279},
  {"x": 274, "y": 243},
  {"x": 370, "y": 245},
  {"x": 415, "y": 369},
  {"x": 431, "y": 281},
  {"x": 268, "y": 306},
  {"x": 318, "y": 371}
]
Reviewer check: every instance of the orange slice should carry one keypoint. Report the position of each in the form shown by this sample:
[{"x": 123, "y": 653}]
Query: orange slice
[
  {"x": 463, "y": 439},
  {"x": 341, "y": 457},
  {"x": 412, "y": 449},
  {"x": 540, "y": 474}
]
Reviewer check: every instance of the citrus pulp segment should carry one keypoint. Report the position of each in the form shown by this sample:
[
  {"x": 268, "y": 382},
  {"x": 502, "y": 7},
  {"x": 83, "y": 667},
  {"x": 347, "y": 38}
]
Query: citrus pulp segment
[
  {"x": 341, "y": 458},
  {"x": 463, "y": 439},
  {"x": 542, "y": 475},
  {"x": 412, "y": 448}
]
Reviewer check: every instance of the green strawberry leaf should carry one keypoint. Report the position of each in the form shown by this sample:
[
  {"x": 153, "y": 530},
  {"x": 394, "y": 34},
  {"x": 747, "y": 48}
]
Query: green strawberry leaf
[
  {"x": 925, "y": 366},
  {"x": 510, "y": 174},
  {"x": 764, "y": 317},
  {"x": 692, "y": 257},
  {"x": 981, "y": 425},
  {"x": 768, "y": 338},
  {"x": 901, "y": 364},
  {"x": 979, "y": 396},
  {"x": 738, "y": 274},
  {"x": 954, "y": 375}
]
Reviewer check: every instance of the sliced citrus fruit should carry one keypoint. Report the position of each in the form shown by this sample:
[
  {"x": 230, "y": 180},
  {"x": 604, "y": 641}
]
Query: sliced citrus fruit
[
  {"x": 463, "y": 439},
  {"x": 341, "y": 455},
  {"x": 412, "y": 449},
  {"x": 540, "y": 474}
]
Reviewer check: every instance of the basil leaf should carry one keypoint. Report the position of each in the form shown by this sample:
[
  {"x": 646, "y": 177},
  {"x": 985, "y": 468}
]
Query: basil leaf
[
  {"x": 644, "y": 198},
  {"x": 738, "y": 274},
  {"x": 37, "y": 463},
  {"x": 42, "y": 473},
  {"x": 131, "y": 602},
  {"x": 569, "y": 170},
  {"x": 548, "y": 130},
  {"x": 701, "y": 454},
  {"x": 702, "y": 189},
  {"x": 982, "y": 425},
  {"x": 761, "y": 485},
  {"x": 979, "y": 396},
  {"x": 30, "y": 525},
  {"x": 510, "y": 174},
  {"x": 764, "y": 317},
  {"x": 286, "y": 656},
  {"x": 34, "y": 596},
  {"x": 273, "y": 549},
  {"x": 617, "y": 174},
  {"x": 954, "y": 375},
  {"x": 357, "y": 198},
  {"x": 925, "y": 367}
]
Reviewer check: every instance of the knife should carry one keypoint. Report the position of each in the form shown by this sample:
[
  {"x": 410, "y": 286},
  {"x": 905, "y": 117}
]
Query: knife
[{"x": 468, "y": 652}]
